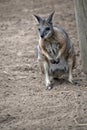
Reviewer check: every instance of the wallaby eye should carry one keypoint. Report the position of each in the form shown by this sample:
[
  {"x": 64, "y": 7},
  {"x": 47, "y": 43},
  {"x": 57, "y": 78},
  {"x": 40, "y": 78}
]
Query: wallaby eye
[{"x": 48, "y": 28}]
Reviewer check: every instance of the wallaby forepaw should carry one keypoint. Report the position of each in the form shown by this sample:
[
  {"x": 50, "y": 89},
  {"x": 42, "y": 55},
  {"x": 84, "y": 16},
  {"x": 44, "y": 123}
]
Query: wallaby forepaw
[{"x": 57, "y": 60}]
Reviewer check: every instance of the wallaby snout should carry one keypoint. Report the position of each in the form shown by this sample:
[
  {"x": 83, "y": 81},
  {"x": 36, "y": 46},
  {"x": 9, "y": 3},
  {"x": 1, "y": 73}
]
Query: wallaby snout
[
  {"x": 42, "y": 35},
  {"x": 45, "y": 31}
]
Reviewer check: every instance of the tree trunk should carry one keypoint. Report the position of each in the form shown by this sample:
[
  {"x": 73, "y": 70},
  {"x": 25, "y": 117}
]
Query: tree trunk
[{"x": 81, "y": 20}]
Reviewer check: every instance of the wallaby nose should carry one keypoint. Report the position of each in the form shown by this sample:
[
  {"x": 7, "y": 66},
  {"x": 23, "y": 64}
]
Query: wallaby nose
[{"x": 42, "y": 35}]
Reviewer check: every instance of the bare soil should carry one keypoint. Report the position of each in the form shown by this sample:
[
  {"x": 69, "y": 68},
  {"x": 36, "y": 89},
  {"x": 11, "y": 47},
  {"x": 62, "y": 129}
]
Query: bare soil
[{"x": 25, "y": 104}]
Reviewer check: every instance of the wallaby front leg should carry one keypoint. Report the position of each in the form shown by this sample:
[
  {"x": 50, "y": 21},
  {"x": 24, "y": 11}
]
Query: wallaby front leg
[
  {"x": 61, "y": 51},
  {"x": 58, "y": 56},
  {"x": 44, "y": 51},
  {"x": 47, "y": 77},
  {"x": 46, "y": 54}
]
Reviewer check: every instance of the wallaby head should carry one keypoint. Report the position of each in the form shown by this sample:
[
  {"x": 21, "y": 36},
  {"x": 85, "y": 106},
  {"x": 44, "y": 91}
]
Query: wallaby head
[{"x": 45, "y": 26}]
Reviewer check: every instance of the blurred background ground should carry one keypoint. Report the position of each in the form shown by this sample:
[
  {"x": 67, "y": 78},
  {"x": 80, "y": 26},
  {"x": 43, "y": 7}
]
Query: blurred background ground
[{"x": 25, "y": 104}]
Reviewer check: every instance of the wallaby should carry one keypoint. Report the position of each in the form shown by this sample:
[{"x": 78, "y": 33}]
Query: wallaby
[{"x": 54, "y": 47}]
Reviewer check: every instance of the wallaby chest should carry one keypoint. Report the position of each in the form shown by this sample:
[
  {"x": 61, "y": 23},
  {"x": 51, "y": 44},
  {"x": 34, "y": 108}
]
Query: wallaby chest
[{"x": 52, "y": 47}]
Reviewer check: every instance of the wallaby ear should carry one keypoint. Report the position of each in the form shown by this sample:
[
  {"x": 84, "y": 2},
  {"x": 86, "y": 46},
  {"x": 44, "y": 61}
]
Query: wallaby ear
[
  {"x": 49, "y": 19},
  {"x": 39, "y": 19}
]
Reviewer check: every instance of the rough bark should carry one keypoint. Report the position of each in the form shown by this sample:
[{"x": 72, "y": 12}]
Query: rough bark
[{"x": 81, "y": 20}]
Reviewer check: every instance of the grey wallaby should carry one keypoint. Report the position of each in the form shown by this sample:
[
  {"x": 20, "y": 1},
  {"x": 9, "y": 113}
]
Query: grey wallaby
[{"x": 54, "y": 49}]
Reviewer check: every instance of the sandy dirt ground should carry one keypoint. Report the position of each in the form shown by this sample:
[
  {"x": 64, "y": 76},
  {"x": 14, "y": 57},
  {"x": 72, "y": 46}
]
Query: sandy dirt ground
[{"x": 25, "y": 104}]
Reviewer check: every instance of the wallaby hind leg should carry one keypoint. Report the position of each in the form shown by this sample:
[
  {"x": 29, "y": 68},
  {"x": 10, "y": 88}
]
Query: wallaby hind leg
[
  {"x": 47, "y": 76},
  {"x": 70, "y": 65}
]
